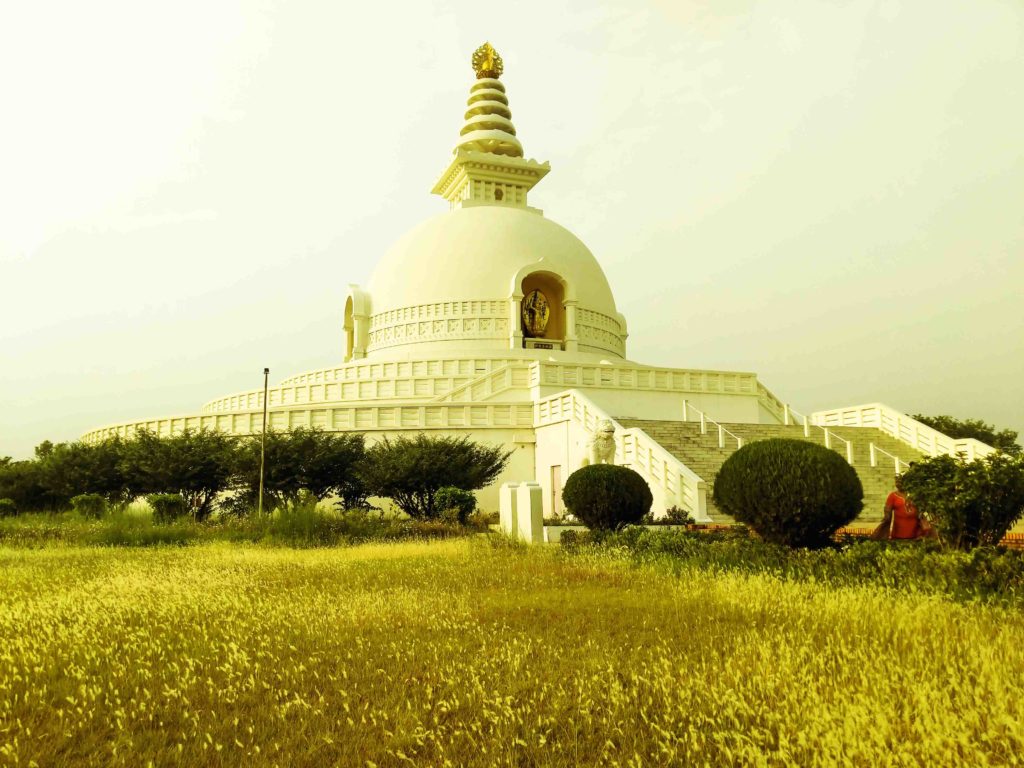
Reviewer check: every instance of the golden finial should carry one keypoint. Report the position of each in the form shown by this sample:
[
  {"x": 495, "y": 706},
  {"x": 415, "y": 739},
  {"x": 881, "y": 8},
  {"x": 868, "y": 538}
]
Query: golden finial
[{"x": 487, "y": 62}]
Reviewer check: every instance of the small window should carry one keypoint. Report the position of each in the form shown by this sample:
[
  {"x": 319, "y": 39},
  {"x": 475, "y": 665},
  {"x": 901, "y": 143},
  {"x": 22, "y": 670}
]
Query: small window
[{"x": 498, "y": 193}]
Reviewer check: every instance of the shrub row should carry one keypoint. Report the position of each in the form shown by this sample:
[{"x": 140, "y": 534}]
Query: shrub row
[
  {"x": 187, "y": 473},
  {"x": 923, "y": 566}
]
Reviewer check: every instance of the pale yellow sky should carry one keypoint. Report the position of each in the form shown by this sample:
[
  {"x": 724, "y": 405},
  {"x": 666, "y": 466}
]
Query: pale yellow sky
[{"x": 826, "y": 193}]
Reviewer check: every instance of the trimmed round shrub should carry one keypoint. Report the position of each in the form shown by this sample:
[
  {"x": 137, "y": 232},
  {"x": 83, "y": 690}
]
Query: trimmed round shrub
[
  {"x": 455, "y": 504},
  {"x": 8, "y": 508},
  {"x": 89, "y": 505},
  {"x": 604, "y": 496},
  {"x": 167, "y": 507},
  {"x": 789, "y": 491}
]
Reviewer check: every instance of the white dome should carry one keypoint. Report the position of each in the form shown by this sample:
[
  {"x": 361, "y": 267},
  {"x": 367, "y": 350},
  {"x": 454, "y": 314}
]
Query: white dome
[{"x": 476, "y": 253}]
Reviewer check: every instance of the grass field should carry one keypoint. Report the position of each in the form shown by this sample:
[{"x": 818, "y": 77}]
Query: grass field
[{"x": 459, "y": 652}]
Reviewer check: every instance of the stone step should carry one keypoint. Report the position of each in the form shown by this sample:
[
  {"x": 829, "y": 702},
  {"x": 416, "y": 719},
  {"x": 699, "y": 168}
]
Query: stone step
[{"x": 702, "y": 454}]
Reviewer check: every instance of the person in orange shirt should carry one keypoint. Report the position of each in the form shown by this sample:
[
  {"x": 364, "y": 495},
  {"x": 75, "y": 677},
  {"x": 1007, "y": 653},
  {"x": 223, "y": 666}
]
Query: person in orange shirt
[{"x": 901, "y": 519}]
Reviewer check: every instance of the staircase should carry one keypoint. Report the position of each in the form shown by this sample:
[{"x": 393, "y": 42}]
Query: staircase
[{"x": 701, "y": 453}]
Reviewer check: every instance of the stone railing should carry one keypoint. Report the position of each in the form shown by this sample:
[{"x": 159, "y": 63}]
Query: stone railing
[
  {"x": 671, "y": 481},
  {"x": 772, "y": 404},
  {"x": 553, "y": 374},
  {"x": 489, "y": 385},
  {"x": 415, "y": 416},
  {"x": 390, "y": 369},
  {"x": 429, "y": 379},
  {"x": 904, "y": 428}
]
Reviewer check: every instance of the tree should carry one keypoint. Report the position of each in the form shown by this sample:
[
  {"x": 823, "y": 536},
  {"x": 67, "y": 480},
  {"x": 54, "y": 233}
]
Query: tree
[
  {"x": 970, "y": 503},
  {"x": 321, "y": 463},
  {"x": 20, "y": 482},
  {"x": 410, "y": 471},
  {"x": 196, "y": 464},
  {"x": 1005, "y": 440},
  {"x": 72, "y": 469},
  {"x": 789, "y": 491}
]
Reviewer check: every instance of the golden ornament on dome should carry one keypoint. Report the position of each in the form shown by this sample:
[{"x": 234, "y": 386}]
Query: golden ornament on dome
[{"x": 487, "y": 62}]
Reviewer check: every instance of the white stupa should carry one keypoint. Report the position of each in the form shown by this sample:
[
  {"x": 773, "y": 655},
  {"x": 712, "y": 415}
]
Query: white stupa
[{"x": 494, "y": 321}]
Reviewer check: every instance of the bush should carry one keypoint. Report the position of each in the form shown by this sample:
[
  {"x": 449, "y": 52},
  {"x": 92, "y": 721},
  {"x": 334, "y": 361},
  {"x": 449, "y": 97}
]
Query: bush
[
  {"x": 455, "y": 504},
  {"x": 789, "y": 491},
  {"x": 970, "y": 503},
  {"x": 412, "y": 471},
  {"x": 89, "y": 505},
  {"x": 673, "y": 516},
  {"x": 167, "y": 507},
  {"x": 8, "y": 508},
  {"x": 483, "y": 520},
  {"x": 605, "y": 496}
]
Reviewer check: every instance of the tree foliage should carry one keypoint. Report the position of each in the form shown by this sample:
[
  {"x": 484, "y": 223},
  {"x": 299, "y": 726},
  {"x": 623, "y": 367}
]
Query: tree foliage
[
  {"x": 21, "y": 482},
  {"x": 198, "y": 465},
  {"x": 789, "y": 491},
  {"x": 1005, "y": 440},
  {"x": 606, "y": 497},
  {"x": 970, "y": 503},
  {"x": 410, "y": 471},
  {"x": 303, "y": 460}
]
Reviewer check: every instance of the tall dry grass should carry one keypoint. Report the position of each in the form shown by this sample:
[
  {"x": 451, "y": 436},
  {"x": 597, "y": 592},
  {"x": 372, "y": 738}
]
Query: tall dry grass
[{"x": 460, "y": 653}]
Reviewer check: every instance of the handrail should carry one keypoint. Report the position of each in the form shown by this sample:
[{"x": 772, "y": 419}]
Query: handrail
[
  {"x": 874, "y": 450},
  {"x": 679, "y": 484},
  {"x": 904, "y": 428},
  {"x": 789, "y": 412},
  {"x": 704, "y": 421}
]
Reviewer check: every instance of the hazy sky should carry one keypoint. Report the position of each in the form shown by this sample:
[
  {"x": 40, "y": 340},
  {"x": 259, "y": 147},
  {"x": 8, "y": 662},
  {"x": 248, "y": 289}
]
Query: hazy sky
[{"x": 830, "y": 194}]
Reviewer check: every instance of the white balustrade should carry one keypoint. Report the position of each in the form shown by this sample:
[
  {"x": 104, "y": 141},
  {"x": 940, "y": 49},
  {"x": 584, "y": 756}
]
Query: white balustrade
[
  {"x": 677, "y": 483},
  {"x": 920, "y": 436}
]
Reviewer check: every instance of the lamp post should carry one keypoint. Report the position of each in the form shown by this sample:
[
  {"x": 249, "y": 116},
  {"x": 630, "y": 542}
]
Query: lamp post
[{"x": 263, "y": 437}]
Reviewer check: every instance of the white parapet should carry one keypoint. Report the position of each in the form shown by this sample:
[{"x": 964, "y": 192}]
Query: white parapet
[
  {"x": 566, "y": 421},
  {"x": 905, "y": 428}
]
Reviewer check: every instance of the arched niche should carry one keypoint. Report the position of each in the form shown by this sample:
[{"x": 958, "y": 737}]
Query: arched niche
[
  {"x": 553, "y": 288},
  {"x": 356, "y": 323}
]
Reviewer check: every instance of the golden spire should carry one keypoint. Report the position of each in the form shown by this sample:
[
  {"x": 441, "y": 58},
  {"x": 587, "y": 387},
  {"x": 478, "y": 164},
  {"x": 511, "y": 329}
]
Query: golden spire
[{"x": 487, "y": 62}]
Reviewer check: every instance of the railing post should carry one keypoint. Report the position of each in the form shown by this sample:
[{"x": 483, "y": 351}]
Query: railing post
[
  {"x": 686, "y": 410},
  {"x": 739, "y": 443},
  {"x": 828, "y": 439},
  {"x": 897, "y": 463},
  {"x": 807, "y": 428},
  {"x": 872, "y": 456},
  {"x": 703, "y": 424},
  {"x": 849, "y": 452},
  {"x": 785, "y": 414},
  {"x": 721, "y": 436}
]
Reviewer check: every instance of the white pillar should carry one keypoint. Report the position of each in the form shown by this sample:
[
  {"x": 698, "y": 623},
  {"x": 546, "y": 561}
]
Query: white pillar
[
  {"x": 571, "y": 337},
  {"x": 507, "y": 498},
  {"x": 515, "y": 330},
  {"x": 361, "y": 334},
  {"x": 529, "y": 512}
]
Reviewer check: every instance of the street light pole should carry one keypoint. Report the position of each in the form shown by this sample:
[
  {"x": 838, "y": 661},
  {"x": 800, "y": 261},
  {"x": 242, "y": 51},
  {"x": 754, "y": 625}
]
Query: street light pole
[{"x": 263, "y": 437}]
